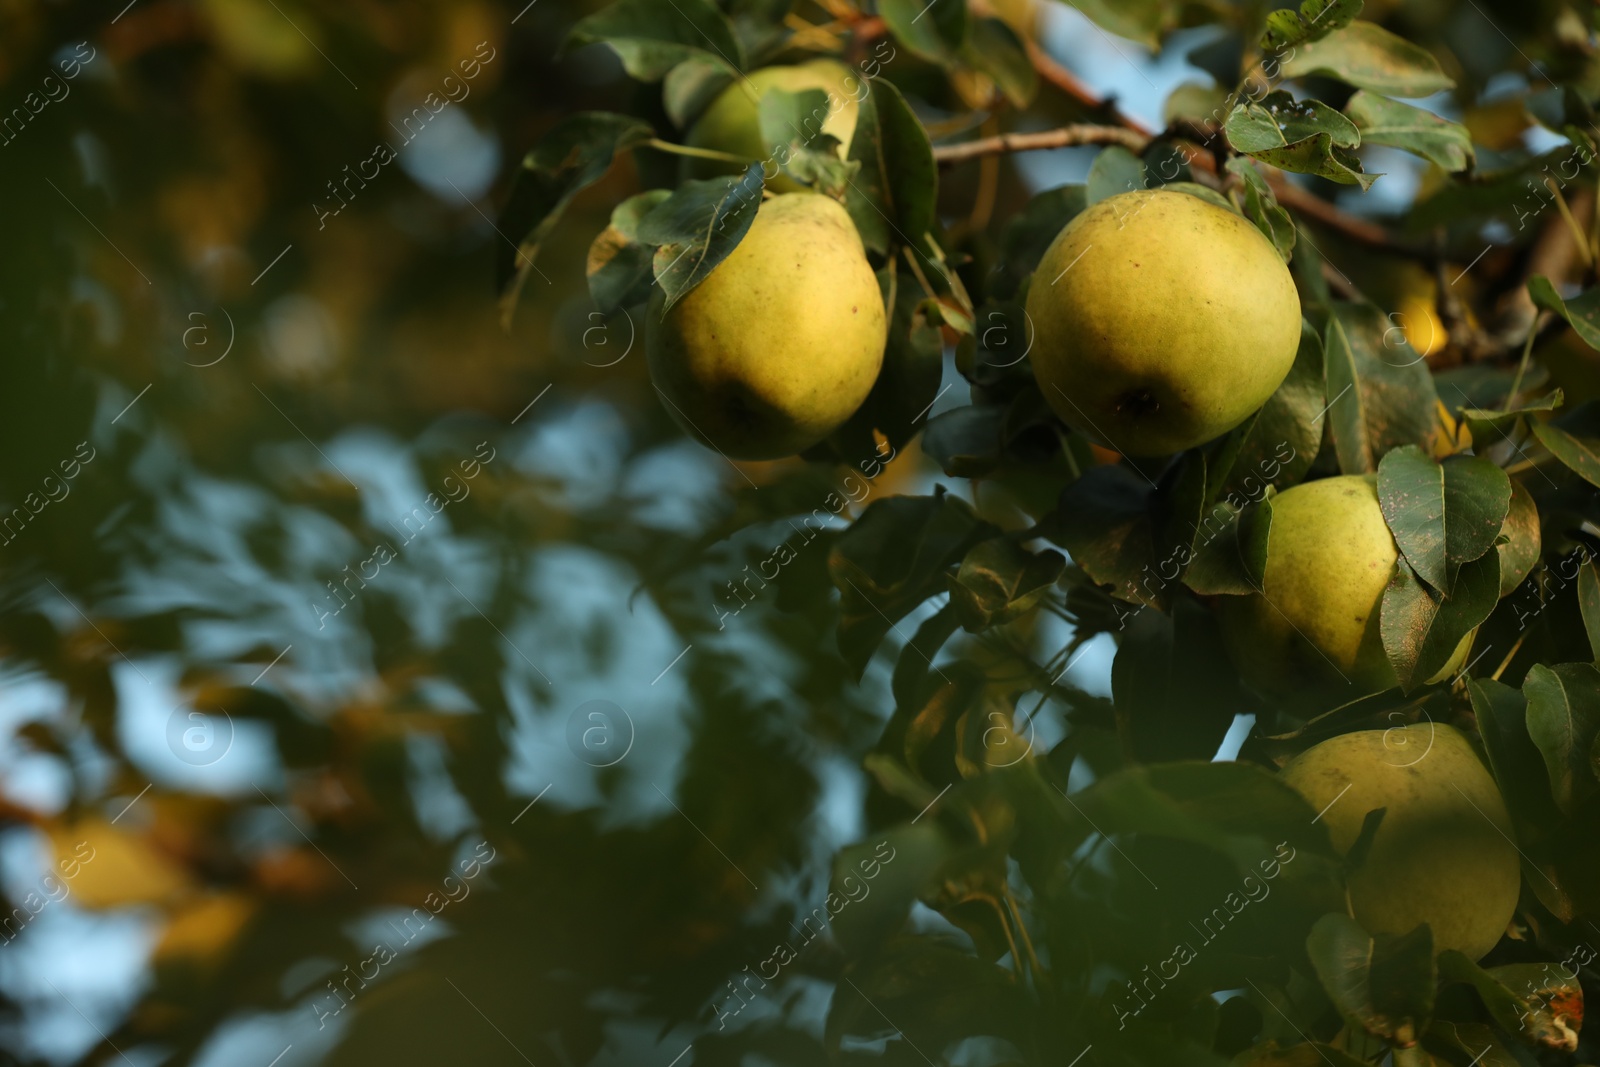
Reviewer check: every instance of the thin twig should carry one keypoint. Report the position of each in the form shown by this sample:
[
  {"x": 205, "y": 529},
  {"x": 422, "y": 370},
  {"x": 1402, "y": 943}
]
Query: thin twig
[{"x": 1077, "y": 134}]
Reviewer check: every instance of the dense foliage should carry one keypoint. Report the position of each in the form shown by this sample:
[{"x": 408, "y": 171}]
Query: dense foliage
[{"x": 1049, "y": 899}]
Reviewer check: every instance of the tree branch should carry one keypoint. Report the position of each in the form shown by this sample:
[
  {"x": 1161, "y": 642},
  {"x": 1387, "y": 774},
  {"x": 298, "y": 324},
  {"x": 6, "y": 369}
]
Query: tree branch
[
  {"x": 1069, "y": 83},
  {"x": 1063, "y": 137}
]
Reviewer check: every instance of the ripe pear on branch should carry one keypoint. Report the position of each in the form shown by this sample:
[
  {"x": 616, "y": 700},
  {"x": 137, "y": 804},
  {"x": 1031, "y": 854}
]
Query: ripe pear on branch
[
  {"x": 781, "y": 343},
  {"x": 1443, "y": 852},
  {"x": 1312, "y": 634},
  {"x": 1161, "y": 321},
  {"x": 731, "y": 123}
]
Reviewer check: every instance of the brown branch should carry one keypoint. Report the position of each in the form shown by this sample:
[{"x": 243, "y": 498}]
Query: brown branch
[
  {"x": 1069, "y": 83},
  {"x": 1203, "y": 135},
  {"x": 1077, "y": 134}
]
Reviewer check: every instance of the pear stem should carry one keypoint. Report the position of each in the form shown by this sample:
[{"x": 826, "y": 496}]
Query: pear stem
[
  {"x": 1509, "y": 657},
  {"x": 698, "y": 153},
  {"x": 1522, "y": 368},
  {"x": 1411, "y": 1056},
  {"x": 1566, "y": 213}
]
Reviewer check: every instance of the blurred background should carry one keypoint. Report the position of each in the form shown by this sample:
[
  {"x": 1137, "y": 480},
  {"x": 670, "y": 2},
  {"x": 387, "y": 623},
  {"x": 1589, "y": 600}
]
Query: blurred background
[{"x": 373, "y": 689}]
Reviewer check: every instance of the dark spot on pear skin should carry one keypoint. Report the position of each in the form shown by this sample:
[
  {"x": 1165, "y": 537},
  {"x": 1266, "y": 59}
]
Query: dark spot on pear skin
[{"x": 1137, "y": 404}]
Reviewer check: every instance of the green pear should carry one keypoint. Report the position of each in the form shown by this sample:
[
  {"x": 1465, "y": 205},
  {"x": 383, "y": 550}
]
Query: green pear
[
  {"x": 781, "y": 343},
  {"x": 732, "y": 121},
  {"x": 1311, "y": 636},
  {"x": 1160, "y": 322},
  {"x": 1443, "y": 854}
]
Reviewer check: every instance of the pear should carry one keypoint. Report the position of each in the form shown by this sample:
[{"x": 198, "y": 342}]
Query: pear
[
  {"x": 1160, "y": 322},
  {"x": 781, "y": 343},
  {"x": 1443, "y": 853},
  {"x": 1311, "y": 636},
  {"x": 732, "y": 121}
]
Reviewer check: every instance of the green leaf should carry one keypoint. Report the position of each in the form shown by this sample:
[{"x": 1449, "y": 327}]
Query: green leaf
[
  {"x": 1477, "y": 497},
  {"x": 619, "y": 263},
  {"x": 1581, "y": 455},
  {"x": 568, "y": 159},
  {"x": 1389, "y": 122},
  {"x": 893, "y": 558},
  {"x": 1380, "y": 394},
  {"x": 1320, "y": 156},
  {"x": 1421, "y": 630},
  {"x": 966, "y": 441},
  {"x": 1383, "y": 985},
  {"x": 1103, "y": 521},
  {"x": 1171, "y": 683},
  {"x": 1589, "y": 605},
  {"x": 652, "y": 38},
  {"x": 1519, "y": 538},
  {"x": 1115, "y": 170},
  {"x": 939, "y": 992},
  {"x": 1441, "y": 515},
  {"x": 1306, "y": 136},
  {"x": 1582, "y": 312},
  {"x": 1515, "y": 194},
  {"x": 1137, "y": 20},
  {"x": 1278, "y": 446},
  {"x": 1278, "y": 120},
  {"x": 1231, "y": 808},
  {"x": 1493, "y": 426},
  {"x": 1231, "y": 551},
  {"x": 697, "y": 227},
  {"x": 908, "y": 383},
  {"x": 1261, "y": 207},
  {"x": 1518, "y": 765},
  {"x": 1027, "y": 235},
  {"x": 892, "y": 197},
  {"x": 1563, "y": 721},
  {"x": 994, "y": 48},
  {"x": 791, "y": 128},
  {"x": 875, "y": 883},
  {"x": 999, "y": 581},
  {"x": 933, "y": 29},
  {"x": 1468, "y": 1041},
  {"x": 1368, "y": 56},
  {"x": 1316, "y": 18},
  {"x": 690, "y": 86},
  {"x": 1200, "y": 101},
  {"x": 1411, "y": 494}
]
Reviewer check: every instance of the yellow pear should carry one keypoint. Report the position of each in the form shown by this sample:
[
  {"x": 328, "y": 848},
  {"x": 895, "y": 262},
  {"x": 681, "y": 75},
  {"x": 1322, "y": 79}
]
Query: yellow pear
[
  {"x": 1311, "y": 636},
  {"x": 781, "y": 343},
  {"x": 1443, "y": 853},
  {"x": 732, "y": 121},
  {"x": 1160, "y": 322}
]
